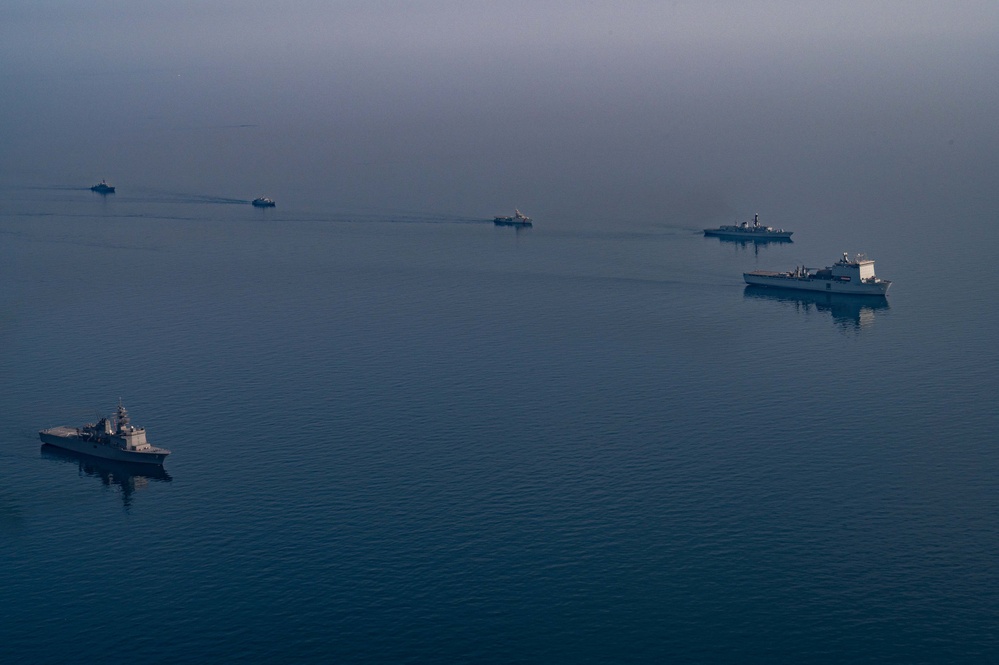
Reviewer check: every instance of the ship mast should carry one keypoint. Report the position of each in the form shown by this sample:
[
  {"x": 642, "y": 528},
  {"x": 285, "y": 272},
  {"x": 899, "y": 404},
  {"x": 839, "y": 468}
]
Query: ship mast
[{"x": 122, "y": 418}]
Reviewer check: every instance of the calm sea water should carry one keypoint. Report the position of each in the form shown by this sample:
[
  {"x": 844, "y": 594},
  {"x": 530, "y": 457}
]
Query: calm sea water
[{"x": 411, "y": 437}]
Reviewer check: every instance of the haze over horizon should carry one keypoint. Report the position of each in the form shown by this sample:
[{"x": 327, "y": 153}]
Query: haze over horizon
[{"x": 657, "y": 112}]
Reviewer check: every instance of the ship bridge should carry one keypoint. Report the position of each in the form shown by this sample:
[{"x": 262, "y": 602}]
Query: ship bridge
[{"x": 858, "y": 269}]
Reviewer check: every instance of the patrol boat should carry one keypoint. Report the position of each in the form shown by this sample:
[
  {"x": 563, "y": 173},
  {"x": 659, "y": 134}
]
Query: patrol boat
[
  {"x": 518, "y": 219},
  {"x": 745, "y": 231},
  {"x": 263, "y": 203},
  {"x": 116, "y": 440},
  {"x": 103, "y": 188},
  {"x": 855, "y": 276}
]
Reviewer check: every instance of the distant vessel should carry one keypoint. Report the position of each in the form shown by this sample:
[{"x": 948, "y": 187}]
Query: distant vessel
[
  {"x": 747, "y": 231},
  {"x": 117, "y": 440},
  {"x": 855, "y": 276},
  {"x": 264, "y": 203},
  {"x": 103, "y": 188},
  {"x": 518, "y": 219}
]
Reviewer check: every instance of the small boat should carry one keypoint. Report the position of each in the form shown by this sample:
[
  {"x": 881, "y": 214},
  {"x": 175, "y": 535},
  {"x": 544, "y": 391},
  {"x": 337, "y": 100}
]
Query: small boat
[
  {"x": 103, "y": 188},
  {"x": 848, "y": 275},
  {"x": 110, "y": 438},
  {"x": 264, "y": 203},
  {"x": 747, "y": 231},
  {"x": 518, "y": 219}
]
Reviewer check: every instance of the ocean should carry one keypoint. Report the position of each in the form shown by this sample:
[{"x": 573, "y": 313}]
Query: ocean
[
  {"x": 408, "y": 438},
  {"x": 401, "y": 434}
]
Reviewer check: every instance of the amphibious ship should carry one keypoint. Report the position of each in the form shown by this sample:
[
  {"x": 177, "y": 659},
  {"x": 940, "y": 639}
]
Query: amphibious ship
[
  {"x": 747, "y": 231},
  {"x": 115, "y": 439},
  {"x": 848, "y": 275}
]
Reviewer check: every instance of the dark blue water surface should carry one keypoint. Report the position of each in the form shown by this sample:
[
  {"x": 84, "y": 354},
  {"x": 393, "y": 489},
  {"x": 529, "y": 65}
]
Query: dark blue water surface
[{"x": 417, "y": 437}]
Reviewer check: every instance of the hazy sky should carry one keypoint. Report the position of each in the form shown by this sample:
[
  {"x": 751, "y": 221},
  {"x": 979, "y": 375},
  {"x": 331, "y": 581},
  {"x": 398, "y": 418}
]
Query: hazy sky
[{"x": 650, "y": 109}]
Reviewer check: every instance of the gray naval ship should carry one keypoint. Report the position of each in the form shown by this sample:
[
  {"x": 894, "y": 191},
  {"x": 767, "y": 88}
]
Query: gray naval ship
[
  {"x": 518, "y": 219},
  {"x": 848, "y": 275},
  {"x": 117, "y": 440},
  {"x": 746, "y": 231},
  {"x": 103, "y": 188}
]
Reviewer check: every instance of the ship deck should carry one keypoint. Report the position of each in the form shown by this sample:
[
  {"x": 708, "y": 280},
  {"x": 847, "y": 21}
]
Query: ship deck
[{"x": 62, "y": 430}]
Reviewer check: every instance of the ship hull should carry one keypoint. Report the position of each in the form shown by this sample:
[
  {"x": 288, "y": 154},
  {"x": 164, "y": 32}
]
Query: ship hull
[
  {"x": 65, "y": 438},
  {"x": 778, "y": 281}
]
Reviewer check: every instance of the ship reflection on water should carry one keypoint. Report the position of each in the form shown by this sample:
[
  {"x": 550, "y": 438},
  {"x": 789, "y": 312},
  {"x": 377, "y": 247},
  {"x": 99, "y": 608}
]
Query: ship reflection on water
[
  {"x": 122, "y": 477},
  {"x": 751, "y": 244},
  {"x": 849, "y": 312}
]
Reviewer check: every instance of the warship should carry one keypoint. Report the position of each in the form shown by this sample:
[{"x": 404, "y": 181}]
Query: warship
[
  {"x": 848, "y": 275},
  {"x": 263, "y": 203},
  {"x": 518, "y": 219},
  {"x": 747, "y": 231},
  {"x": 114, "y": 439},
  {"x": 103, "y": 188}
]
